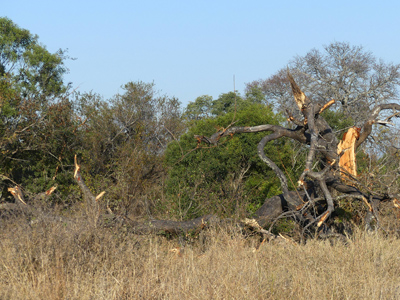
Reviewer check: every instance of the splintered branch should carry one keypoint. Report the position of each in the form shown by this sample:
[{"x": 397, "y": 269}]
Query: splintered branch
[
  {"x": 326, "y": 106},
  {"x": 301, "y": 99},
  {"x": 99, "y": 196},
  {"x": 50, "y": 190},
  {"x": 313, "y": 131},
  {"x": 346, "y": 151},
  {"x": 27, "y": 207},
  {"x": 17, "y": 194}
]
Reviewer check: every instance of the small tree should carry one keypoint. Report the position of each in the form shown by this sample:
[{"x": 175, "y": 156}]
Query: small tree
[
  {"x": 32, "y": 106},
  {"x": 34, "y": 72}
]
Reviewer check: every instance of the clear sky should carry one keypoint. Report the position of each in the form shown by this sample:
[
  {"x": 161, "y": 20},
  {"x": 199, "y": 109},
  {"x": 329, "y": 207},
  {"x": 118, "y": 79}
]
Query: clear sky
[{"x": 194, "y": 48}]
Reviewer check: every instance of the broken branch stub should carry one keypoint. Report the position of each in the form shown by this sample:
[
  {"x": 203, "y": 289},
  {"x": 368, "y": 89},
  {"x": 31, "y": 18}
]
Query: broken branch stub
[
  {"x": 17, "y": 194},
  {"x": 301, "y": 99}
]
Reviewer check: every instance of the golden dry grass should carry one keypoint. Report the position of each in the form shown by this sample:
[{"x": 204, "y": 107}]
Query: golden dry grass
[{"x": 74, "y": 262}]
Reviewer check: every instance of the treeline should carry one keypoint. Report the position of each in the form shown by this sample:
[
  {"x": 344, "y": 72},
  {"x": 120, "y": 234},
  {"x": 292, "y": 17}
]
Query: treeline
[{"x": 140, "y": 145}]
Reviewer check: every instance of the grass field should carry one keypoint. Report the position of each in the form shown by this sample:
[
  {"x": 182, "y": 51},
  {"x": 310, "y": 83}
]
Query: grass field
[{"x": 48, "y": 261}]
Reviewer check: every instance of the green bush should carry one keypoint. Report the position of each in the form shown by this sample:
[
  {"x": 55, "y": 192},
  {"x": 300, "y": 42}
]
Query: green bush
[{"x": 230, "y": 178}]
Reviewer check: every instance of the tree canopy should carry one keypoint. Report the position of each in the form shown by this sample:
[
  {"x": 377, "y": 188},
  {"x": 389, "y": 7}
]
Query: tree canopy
[
  {"x": 33, "y": 71},
  {"x": 349, "y": 74}
]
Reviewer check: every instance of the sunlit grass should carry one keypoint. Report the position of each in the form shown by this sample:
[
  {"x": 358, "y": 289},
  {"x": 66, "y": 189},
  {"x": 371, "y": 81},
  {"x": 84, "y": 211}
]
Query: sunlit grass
[{"x": 48, "y": 261}]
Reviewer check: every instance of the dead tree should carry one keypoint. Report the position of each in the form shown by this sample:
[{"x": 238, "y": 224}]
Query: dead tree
[{"x": 335, "y": 160}]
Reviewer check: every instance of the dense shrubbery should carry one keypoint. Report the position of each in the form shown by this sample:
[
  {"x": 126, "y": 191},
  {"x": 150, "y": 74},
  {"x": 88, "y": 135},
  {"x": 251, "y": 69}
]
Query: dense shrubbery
[{"x": 228, "y": 179}]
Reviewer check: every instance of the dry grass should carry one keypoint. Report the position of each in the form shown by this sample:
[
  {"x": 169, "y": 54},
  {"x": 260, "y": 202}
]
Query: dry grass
[{"x": 73, "y": 262}]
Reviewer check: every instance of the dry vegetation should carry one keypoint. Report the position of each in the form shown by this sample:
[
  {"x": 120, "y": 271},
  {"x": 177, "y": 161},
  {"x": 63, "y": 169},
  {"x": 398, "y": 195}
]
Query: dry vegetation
[
  {"x": 138, "y": 146},
  {"x": 74, "y": 261}
]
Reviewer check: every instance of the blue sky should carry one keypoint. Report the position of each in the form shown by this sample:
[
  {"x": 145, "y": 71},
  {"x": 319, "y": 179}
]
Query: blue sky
[{"x": 193, "y": 48}]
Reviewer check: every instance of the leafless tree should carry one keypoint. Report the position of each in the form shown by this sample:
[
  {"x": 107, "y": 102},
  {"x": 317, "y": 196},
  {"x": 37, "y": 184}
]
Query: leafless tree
[{"x": 348, "y": 74}]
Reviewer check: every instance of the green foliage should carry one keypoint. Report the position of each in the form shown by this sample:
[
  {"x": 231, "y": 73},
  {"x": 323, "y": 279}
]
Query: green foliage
[
  {"x": 200, "y": 108},
  {"x": 338, "y": 121},
  {"x": 229, "y": 178},
  {"x": 35, "y": 71},
  {"x": 228, "y": 102},
  {"x": 285, "y": 226},
  {"x": 205, "y": 107}
]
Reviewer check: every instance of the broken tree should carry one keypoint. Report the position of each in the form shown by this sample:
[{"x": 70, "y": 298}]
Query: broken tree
[{"x": 328, "y": 166}]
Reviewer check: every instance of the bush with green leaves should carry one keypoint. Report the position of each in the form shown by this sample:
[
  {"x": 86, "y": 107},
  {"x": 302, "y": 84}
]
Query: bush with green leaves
[{"x": 229, "y": 179}]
